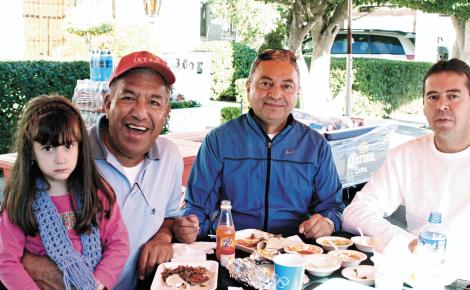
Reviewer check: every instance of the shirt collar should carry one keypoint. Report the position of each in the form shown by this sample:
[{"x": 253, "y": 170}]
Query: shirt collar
[
  {"x": 98, "y": 147},
  {"x": 252, "y": 119}
]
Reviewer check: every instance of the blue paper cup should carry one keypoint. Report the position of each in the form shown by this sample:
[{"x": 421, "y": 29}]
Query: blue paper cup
[{"x": 289, "y": 271}]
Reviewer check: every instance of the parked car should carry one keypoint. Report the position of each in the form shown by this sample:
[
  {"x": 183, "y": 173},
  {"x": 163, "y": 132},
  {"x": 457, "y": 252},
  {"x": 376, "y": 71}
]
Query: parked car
[{"x": 371, "y": 43}]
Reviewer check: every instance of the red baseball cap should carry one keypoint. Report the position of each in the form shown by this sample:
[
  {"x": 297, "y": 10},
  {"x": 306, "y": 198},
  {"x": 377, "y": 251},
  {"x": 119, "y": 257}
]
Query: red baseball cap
[{"x": 143, "y": 59}]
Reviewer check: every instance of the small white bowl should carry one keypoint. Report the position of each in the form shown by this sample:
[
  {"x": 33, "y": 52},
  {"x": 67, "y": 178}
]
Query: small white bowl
[
  {"x": 364, "y": 274},
  {"x": 322, "y": 265},
  {"x": 340, "y": 243},
  {"x": 303, "y": 249},
  {"x": 364, "y": 243},
  {"x": 349, "y": 258}
]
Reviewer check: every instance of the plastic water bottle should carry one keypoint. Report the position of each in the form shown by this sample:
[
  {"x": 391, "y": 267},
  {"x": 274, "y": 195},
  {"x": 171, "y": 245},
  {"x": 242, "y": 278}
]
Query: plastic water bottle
[
  {"x": 225, "y": 234},
  {"x": 108, "y": 70},
  {"x": 93, "y": 60},
  {"x": 432, "y": 246},
  {"x": 102, "y": 65},
  {"x": 88, "y": 98}
]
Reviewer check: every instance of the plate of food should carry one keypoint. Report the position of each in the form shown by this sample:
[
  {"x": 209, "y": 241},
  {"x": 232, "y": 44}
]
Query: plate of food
[
  {"x": 303, "y": 249},
  {"x": 364, "y": 274},
  {"x": 349, "y": 258},
  {"x": 246, "y": 240},
  {"x": 186, "y": 275},
  {"x": 339, "y": 242},
  {"x": 249, "y": 240}
]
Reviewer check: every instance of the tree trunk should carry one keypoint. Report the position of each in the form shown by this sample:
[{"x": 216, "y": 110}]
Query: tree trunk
[
  {"x": 317, "y": 85},
  {"x": 462, "y": 41},
  {"x": 323, "y": 22}
]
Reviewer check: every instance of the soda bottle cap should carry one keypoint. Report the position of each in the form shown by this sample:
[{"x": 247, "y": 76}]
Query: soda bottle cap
[
  {"x": 226, "y": 204},
  {"x": 435, "y": 217}
]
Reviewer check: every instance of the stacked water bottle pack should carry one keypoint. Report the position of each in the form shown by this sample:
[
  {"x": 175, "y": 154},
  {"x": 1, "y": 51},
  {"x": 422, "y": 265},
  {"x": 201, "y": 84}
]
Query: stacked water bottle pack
[
  {"x": 89, "y": 99},
  {"x": 101, "y": 64},
  {"x": 89, "y": 94}
]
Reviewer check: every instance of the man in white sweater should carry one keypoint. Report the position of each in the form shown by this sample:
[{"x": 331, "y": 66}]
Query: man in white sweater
[{"x": 430, "y": 173}]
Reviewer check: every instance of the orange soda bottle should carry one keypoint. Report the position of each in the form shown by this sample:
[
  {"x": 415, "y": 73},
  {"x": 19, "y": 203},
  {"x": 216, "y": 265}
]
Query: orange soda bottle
[{"x": 225, "y": 234}]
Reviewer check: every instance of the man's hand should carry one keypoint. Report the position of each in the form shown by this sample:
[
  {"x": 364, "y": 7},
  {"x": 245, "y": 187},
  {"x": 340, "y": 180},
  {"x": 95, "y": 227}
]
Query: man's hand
[
  {"x": 43, "y": 271},
  {"x": 317, "y": 226},
  {"x": 413, "y": 245},
  {"x": 152, "y": 253},
  {"x": 186, "y": 228},
  {"x": 157, "y": 250}
]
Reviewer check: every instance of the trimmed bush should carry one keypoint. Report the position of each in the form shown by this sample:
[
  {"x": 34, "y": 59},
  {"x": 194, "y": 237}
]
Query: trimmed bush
[
  {"x": 387, "y": 84},
  {"x": 22, "y": 80},
  {"x": 184, "y": 104},
  {"x": 229, "y": 113}
]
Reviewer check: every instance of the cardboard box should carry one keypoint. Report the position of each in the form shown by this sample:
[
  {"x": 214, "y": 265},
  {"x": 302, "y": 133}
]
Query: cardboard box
[{"x": 358, "y": 157}]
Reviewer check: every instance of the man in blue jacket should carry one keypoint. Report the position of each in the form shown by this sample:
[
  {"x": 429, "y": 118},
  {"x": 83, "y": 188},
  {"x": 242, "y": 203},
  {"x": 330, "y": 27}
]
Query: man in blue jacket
[{"x": 278, "y": 173}]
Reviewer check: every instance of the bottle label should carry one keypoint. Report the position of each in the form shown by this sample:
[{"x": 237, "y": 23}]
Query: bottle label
[
  {"x": 224, "y": 259},
  {"x": 227, "y": 246},
  {"x": 433, "y": 244}
]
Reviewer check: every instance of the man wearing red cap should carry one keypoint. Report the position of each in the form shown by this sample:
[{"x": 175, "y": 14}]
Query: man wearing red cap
[{"x": 144, "y": 169}]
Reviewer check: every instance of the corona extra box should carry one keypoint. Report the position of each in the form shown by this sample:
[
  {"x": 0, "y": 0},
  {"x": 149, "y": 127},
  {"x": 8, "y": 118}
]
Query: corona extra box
[{"x": 356, "y": 158}]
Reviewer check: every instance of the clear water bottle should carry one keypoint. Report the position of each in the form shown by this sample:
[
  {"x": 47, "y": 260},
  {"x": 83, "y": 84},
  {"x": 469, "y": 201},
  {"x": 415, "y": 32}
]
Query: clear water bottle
[
  {"x": 102, "y": 65},
  {"x": 93, "y": 72},
  {"x": 88, "y": 98},
  {"x": 225, "y": 234},
  {"x": 108, "y": 70},
  {"x": 432, "y": 244}
]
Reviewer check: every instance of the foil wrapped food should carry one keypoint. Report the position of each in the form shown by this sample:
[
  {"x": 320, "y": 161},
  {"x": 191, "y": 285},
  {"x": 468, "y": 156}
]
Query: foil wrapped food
[{"x": 253, "y": 273}]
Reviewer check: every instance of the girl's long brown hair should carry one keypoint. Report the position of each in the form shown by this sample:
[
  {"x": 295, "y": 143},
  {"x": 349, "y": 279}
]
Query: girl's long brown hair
[{"x": 53, "y": 120}]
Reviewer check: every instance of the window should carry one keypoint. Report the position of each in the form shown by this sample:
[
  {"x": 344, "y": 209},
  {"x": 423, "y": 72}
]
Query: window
[
  {"x": 360, "y": 44},
  {"x": 386, "y": 45}
]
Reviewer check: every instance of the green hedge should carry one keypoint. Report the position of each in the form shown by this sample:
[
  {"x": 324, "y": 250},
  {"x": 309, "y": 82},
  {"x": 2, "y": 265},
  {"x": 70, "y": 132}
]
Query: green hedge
[
  {"x": 23, "y": 80},
  {"x": 229, "y": 113},
  {"x": 391, "y": 83}
]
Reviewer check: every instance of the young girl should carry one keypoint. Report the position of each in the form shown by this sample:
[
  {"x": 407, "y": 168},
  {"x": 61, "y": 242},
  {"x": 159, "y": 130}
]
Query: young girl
[{"x": 57, "y": 204}]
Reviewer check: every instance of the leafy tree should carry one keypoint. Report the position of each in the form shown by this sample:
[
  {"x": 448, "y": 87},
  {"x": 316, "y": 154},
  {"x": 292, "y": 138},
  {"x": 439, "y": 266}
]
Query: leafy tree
[
  {"x": 89, "y": 22},
  {"x": 322, "y": 20},
  {"x": 250, "y": 19},
  {"x": 91, "y": 32}
]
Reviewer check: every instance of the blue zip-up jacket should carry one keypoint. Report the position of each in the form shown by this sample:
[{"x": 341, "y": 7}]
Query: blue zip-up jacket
[{"x": 273, "y": 185}]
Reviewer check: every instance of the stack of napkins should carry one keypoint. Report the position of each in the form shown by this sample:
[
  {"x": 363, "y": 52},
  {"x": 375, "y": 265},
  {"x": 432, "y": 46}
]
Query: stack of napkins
[{"x": 192, "y": 252}]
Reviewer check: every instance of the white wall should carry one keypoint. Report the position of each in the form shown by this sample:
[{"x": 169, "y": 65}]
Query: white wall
[
  {"x": 11, "y": 30},
  {"x": 179, "y": 25},
  {"x": 429, "y": 27}
]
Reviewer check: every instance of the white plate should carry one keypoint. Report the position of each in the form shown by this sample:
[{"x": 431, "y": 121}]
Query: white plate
[
  {"x": 340, "y": 283},
  {"x": 340, "y": 242},
  {"x": 364, "y": 274},
  {"x": 212, "y": 266}
]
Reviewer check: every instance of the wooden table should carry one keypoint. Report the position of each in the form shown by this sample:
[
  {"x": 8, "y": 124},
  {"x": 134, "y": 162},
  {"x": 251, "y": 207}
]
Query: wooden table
[{"x": 188, "y": 150}]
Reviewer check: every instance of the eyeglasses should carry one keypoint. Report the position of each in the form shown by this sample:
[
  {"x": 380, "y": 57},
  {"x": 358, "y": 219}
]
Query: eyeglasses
[{"x": 280, "y": 53}]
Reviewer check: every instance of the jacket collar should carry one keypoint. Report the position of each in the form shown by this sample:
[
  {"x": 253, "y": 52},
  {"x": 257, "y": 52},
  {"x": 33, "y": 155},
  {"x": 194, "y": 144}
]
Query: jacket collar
[{"x": 253, "y": 121}]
